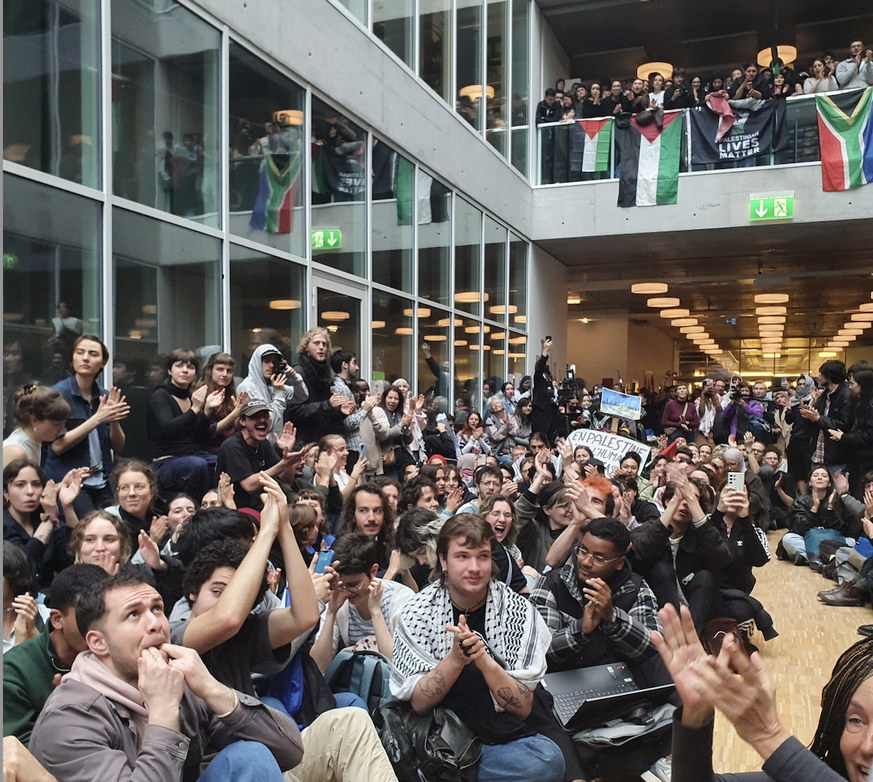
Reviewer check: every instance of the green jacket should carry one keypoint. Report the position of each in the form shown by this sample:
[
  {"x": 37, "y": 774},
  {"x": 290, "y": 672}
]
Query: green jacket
[{"x": 28, "y": 670}]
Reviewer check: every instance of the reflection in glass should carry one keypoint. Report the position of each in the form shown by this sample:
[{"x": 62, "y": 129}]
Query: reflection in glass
[
  {"x": 266, "y": 154},
  {"x": 164, "y": 109},
  {"x": 519, "y": 151},
  {"x": 497, "y": 74},
  {"x": 393, "y": 24},
  {"x": 51, "y": 280},
  {"x": 392, "y": 214},
  {"x": 520, "y": 84},
  {"x": 341, "y": 316},
  {"x": 469, "y": 62},
  {"x": 51, "y": 91},
  {"x": 493, "y": 355},
  {"x": 266, "y": 304},
  {"x": 339, "y": 237},
  {"x": 468, "y": 249},
  {"x": 358, "y": 9},
  {"x": 434, "y": 351},
  {"x": 392, "y": 338},
  {"x": 517, "y": 312},
  {"x": 434, "y": 239},
  {"x": 434, "y": 45},
  {"x": 468, "y": 348},
  {"x": 495, "y": 270},
  {"x": 515, "y": 354}
]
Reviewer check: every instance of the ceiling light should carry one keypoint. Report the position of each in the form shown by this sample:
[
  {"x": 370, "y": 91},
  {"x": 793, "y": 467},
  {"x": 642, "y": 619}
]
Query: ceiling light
[
  {"x": 500, "y": 309},
  {"x": 770, "y": 310},
  {"x": 377, "y": 324},
  {"x": 474, "y": 91},
  {"x": 648, "y": 68},
  {"x": 517, "y": 340},
  {"x": 672, "y": 314},
  {"x": 864, "y": 317},
  {"x": 827, "y": 354},
  {"x": 773, "y": 298},
  {"x": 446, "y": 321},
  {"x": 335, "y": 315},
  {"x": 435, "y": 337},
  {"x": 467, "y": 297},
  {"x": 772, "y": 355},
  {"x": 459, "y": 343},
  {"x": 663, "y": 301},
  {"x": 333, "y": 328},
  {"x": 784, "y": 51},
  {"x": 771, "y": 319},
  {"x": 500, "y": 335},
  {"x": 403, "y": 331},
  {"x": 682, "y": 322},
  {"x": 867, "y": 307},
  {"x": 518, "y": 318},
  {"x": 777, "y": 327},
  {"x": 703, "y": 342},
  {"x": 471, "y": 329},
  {"x": 651, "y": 288},
  {"x": 584, "y": 320},
  {"x": 850, "y": 332},
  {"x": 698, "y": 337},
  {"x": 499, "y": 352},
  {"x": 284, "y": 304},
  {"x": 573, "y": 300},
  {"x": 692, "y": 330},
  {"x": 473, "y": 347},
  {"x": 423, "y": 312},
  {"x": 838, "y": 343}
]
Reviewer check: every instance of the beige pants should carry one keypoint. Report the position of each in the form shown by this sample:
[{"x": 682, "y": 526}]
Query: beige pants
[{"x": 342, "y": 746}]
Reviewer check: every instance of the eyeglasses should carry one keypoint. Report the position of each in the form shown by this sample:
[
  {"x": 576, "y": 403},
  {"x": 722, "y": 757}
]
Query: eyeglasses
[
  {"x": 582, "y": 554},
  {"x": 352, "y": 589}
]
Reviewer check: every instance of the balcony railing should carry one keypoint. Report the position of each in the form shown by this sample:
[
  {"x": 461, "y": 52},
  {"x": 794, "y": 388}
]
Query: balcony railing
[{"x": 559, "y": 161}]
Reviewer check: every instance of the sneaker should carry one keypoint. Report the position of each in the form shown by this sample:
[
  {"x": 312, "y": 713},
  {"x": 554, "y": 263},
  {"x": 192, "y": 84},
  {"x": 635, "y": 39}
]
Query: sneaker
[
  {"x": 662, "y": 770},
  {"x": 865, "y": 630}
]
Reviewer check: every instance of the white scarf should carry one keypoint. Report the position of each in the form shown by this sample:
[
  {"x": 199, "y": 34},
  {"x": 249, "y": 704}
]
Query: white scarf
[{"x": 516, "y": 634}]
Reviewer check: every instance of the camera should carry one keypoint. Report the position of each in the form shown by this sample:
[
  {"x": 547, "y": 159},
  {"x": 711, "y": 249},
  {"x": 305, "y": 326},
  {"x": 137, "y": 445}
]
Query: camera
[{"x": 280, "y": 366}]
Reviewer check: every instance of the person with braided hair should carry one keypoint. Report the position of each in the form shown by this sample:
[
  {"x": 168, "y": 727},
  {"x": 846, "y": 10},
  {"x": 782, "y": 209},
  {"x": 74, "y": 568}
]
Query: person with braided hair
[{"x": 738, "y": 685}]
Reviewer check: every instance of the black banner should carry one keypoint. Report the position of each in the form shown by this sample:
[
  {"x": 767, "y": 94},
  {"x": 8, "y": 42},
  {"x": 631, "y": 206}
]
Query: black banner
[{"x": 752, "y": 134}]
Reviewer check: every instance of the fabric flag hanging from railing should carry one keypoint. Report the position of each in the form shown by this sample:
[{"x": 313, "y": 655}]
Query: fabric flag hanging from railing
[
  {"x": 650, "y": 145},
  {"x": 595, "y": 136},
  {"x": 277, "y": 193},
  {"x": 845, "y": 137},
  {"x": 752, "y": 133}
]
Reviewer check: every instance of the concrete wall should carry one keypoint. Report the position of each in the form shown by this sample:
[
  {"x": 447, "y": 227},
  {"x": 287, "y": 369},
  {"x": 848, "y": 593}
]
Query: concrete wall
[
  {"x": 648, "y": 350},
  {"x": 320, "y": 45},
  {"x": 707, "y": 200},
  {"x": 547, "y": 308},
  {"x": 550, "y": 60}
]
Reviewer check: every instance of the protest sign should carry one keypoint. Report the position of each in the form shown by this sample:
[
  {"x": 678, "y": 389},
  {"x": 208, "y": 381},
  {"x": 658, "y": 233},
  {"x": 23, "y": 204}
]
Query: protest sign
[
  {"x": 609, "y": 448},
  {"x": 622, "y": 405}
]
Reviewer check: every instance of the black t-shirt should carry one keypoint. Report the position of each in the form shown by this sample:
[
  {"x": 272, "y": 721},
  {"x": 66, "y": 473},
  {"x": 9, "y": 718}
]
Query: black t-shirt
[
  {"x": 508, "y": 570},
  {"x": 249, "y": 651},
  {"x": 239, "y": 461}
]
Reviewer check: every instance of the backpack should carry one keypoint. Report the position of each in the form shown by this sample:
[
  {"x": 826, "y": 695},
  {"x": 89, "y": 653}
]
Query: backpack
[{"x": 362, "y": 673}]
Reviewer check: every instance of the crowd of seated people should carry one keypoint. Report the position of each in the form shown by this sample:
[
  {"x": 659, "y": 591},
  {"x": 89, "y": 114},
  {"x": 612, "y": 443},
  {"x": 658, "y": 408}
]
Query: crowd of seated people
[
  {"x": 158, "y": 614},
  {"x": 678, "y": 90}
]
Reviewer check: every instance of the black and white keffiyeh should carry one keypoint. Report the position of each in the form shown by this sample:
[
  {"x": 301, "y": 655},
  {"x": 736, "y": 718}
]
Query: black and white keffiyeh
[{"x": 516, "y": 635}]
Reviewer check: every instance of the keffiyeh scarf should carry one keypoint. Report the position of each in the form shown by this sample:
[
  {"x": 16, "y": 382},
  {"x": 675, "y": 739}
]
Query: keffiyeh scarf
[{"x": 516, "y": 635}]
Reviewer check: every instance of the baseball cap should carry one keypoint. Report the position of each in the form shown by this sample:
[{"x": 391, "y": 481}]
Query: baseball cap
[{"x": 252, "y": 407}]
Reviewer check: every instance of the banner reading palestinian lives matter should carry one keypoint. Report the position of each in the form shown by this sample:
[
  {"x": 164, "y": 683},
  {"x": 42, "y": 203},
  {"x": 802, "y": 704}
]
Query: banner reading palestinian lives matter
[
  {"x": 609, "y": 448},
  {"x": 751, "y": 135},
  {"x": 845, "y": 137}
]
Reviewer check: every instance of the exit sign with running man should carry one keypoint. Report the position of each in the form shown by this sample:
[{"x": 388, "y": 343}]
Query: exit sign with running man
[{"x": 777, "y": 207}]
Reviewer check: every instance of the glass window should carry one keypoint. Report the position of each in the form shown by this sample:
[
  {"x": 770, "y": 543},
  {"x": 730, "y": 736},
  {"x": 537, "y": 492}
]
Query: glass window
[
  {"x": 392, "y": 215},
  {"x": 517, "y": 282},
  {"x": 51, "y": 89},
  {"x": 339, "y": 219},
  {"x": 51, "y": 280},
  {"x": 392, "y": 338},
  {"x": 434, "y": 239},
  {"x": 167, "y": 293},
  {"x": 495, "y": 270},
  {"x": 393, "y": 25},
  {"x": 493, "y": 353},
  {"x": 434, "y": 354},
  {"x": 468, "y": 348},
  {"x": 358, "y": 9},
  {"x": 266, "y": 154},
  {"x": 468, "y": 247},
  {"x": 520, "y": 68},
  {"x": 469, "y": 62},
  {"x": 266, "y": 304},
  {"x": 497, "y": 74},
  {"x": 340, "y": 314},
  {"x": 434, "y": 45},
  {"x": 516, "y": 368},
  {"x": 165, "y": 63}
]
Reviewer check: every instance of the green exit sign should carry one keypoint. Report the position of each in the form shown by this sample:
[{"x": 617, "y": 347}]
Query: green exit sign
[
  {"x": 779, "y": 207},
  {"x": 327, "y": 240}
]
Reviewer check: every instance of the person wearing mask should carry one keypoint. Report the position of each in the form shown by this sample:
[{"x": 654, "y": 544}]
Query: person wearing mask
[
  {"x": 271, "y": 380},
  {"x": 803, "y": 432},
  {"x": 322, "y": 412}
]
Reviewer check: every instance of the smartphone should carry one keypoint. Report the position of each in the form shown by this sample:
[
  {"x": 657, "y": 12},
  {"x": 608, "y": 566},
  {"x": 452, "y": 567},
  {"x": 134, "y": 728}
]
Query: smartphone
[
  {"x": 549, "y": 338},
  {"x": 362, "y": 449},
  {"x": 324, "y": 559},
  {"x": 735, "y": 481}
]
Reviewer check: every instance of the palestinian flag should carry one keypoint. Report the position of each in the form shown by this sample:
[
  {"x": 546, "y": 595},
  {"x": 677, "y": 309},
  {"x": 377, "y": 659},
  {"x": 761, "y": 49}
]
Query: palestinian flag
[
  {"x": 595, "y": 152},
  {"x": 277, "y": 193},
  {"x": 649, "y": 165},
  {"x": 845, "y": 137}
]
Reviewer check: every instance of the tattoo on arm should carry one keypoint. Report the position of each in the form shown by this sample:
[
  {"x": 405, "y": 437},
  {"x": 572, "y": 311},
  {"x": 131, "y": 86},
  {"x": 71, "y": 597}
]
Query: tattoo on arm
[
  {"x": 433, "y": 684},
  {"x": 523, "y": 690},
  {"x": 505, "y": 694}
]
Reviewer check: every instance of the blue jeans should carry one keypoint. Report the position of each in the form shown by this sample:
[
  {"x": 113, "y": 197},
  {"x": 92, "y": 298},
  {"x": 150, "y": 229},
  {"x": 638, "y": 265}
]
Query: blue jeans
[
  {"x": 184, "y": 475},
  {"x": 243, "y": 761},
  {"x": 523, "y": 760}
]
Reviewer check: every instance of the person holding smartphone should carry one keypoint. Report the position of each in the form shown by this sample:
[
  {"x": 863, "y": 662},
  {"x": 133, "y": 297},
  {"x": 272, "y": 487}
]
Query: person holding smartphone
[{"x": 271, "y": 380}]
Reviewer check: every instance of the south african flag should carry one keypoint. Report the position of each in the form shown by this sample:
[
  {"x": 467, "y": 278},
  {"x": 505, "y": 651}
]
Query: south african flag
[{"x": 277, "y": 193}]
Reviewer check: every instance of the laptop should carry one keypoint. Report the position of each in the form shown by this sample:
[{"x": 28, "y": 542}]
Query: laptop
[{"x": 588, "y": 697}]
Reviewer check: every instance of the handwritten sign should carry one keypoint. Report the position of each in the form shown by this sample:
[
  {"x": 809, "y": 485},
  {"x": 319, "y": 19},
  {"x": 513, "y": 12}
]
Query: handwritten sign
[
  {"x": 622, "y": 405},
  {"x": 609, "y": 448}
]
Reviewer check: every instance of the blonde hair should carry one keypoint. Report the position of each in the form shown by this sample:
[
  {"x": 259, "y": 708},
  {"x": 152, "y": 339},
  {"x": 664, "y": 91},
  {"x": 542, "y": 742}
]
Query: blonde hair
[{"x": 307, "y": 338}]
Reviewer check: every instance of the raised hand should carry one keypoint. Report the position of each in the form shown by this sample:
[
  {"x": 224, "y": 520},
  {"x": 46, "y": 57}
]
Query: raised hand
[
  {"x": 149, "y": 551},
  {"x": 338, "y": 400},
  {"x": 239, "y": 401},
  {"x": 161, "y": 687},
  {"x": 158, "y": 528},
  {"x": 213, "y": 400},
  {"x": 198, "y": 399},
  {"x": 467, "y": 646},
  {"x": 454, "y": 500},
  {"x": 112, "y": 407},
  {"x": 225, "y": 491},
  {"x": 374, "y": 595},
  {"x": 71, "y": 485},
  {"x": 25, "y": 610},
  {"x": 49, "y": 498},
  {"x": 285, "y": 441},
  {"x": 106, "y": 560}
]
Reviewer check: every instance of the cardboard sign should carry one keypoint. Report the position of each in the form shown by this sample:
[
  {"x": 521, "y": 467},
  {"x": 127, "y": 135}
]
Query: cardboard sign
[
  {"x": 621, "y": 405},
  {"x": 609, "y": 448}
]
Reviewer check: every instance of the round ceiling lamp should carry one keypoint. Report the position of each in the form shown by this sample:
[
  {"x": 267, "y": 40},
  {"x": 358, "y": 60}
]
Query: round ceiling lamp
[
  {"x": 284, "y": 304},
  {"x": 672, "y": 314},
  {"x": 647, "y": 68},
  {"x": 866, "y": 307},
  {"x": 772, "y": 355},
  {"x": 570, "y": 300},
  {"x": 468, "y": 297},
  {"x": 377, "y": 324},
  {"x": 649, "y": 288},
  {"x": 784, "y": 51},
  {"x": 335, "y": 315},
  {"x": 827, "y": 354},
  {"x": 681, "y": 323},
  {"x": 663, "y": 301},
  {"x": 705, "y": 342},
  {"x": 773, "y": 298},
  {"x": 771, "y": 310},
  {"x": 474, "y": 92},
  {"x": 863, "y": 317},
  {"x": 770, "y": 319},
  {"x": 435, "y": 337},
  {"x": 692, "y": 330},
  {"x": 838, "y": 343},
  {"x": 403, "y": 331},
  {"x": 500, "y": 309},
  {"x": 850, "y": 332}
]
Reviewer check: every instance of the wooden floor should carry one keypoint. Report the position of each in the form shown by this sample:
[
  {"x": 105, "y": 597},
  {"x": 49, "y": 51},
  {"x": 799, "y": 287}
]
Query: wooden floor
[{"x": 811, "y": 637}]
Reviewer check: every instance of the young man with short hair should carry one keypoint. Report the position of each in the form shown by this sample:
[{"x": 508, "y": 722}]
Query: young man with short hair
[
  {"x": 34, "y": 668},
  {"x": 489, "y": 481},
  {"x": 470, "y": 644}
]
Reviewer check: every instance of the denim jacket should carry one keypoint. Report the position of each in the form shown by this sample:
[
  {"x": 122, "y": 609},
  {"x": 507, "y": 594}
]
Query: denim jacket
[{"x": 56, "y": 467}]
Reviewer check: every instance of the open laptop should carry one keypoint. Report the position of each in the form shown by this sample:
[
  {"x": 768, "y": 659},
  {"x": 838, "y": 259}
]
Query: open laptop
[{"x": 591, "y": 696}]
